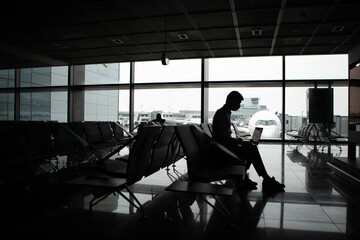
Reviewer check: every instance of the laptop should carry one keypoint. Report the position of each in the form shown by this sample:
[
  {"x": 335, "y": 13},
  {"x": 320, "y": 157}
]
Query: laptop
[{"x": 256, "y": 135}]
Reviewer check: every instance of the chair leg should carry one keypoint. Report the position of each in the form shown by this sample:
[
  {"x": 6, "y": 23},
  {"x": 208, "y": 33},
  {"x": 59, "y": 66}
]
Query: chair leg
[
  {"x": 139, "y": 206},
  {"x": 172, "y": 178},
  {"x": 169, "y": 219},
  {"x": 222, "y": 205},
  {"x": 93, "y": 202},
  {"x": 225, "y": 213}
]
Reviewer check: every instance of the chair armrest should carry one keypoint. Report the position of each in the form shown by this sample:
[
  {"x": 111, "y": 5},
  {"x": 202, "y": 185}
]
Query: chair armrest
[
  {"x": 215, "y": 145},
  {"x": 82, "y": 142},
  {"x": 225, "y": 151}
]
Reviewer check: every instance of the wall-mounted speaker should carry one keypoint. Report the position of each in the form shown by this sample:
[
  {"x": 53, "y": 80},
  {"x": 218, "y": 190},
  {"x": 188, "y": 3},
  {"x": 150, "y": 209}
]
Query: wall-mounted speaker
[{"x": 320, "y": 105}]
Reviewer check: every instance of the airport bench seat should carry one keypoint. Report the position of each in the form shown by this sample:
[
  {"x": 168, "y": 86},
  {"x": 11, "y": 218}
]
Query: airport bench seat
[
  {"x": 200, "y": 151},
  {"x": 121, "y": 174},
  {"x": 166, "y": 150},
  {"x": 29, "y": 144},
  {"x": 199, "y": 148},
  {"x": 104, "y": 138},
  {"x": 313, "y": 135}
]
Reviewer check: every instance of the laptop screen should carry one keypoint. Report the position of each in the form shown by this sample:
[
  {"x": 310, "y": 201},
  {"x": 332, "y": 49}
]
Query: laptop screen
[{"x": 256, "y": 135}]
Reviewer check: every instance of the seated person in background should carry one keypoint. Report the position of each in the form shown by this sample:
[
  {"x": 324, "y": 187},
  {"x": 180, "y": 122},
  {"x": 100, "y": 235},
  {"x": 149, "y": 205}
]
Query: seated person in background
[
  {"x": 244, "y": 149},
  {"x": 158, "y": 120}
]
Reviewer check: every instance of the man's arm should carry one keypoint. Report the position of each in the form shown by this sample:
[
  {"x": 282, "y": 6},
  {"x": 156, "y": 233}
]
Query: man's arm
[{"x": 242, "y": 142}]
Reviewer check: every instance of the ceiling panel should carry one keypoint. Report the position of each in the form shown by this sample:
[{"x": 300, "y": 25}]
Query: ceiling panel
[{"x": 46, "y": 33}]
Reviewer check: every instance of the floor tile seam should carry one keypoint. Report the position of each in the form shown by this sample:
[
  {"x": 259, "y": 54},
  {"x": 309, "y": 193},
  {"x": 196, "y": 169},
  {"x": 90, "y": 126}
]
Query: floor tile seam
[
  {"x": 333, "y": 220},
  {"x": 294, "y": 173},
  {"x": 298, "y": 220}
]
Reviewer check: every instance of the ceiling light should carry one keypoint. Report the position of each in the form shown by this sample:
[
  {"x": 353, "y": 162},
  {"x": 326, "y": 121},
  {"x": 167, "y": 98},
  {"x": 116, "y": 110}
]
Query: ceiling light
[
  {"x": 117, "y": 41},
  {"x": 164, "y": 56},
  {"x": 164, "y": 59},
  {"x": 257, "y": 32},
  {"x": 183, "y": 36},
  {"x": 338, "y": 28}
]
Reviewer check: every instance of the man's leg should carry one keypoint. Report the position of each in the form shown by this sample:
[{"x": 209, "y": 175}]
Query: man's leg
[
  {"x": 252, "y": 156},
  {"x": 269, "y": 183}
]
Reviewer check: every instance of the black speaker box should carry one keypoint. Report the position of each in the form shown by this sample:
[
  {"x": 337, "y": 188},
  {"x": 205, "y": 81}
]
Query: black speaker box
[{"x": 320, "y": 105}]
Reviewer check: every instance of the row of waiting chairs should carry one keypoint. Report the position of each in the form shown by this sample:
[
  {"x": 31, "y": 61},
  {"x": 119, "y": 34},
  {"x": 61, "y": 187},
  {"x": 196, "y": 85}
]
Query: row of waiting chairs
[
  {"x": 26, "y": 145},
  {"x": 104, "y": 138},
  {"x": 154, "y": 147},
  {"x": 159, "y": 146},
  {"x": 313, "y": 135}
]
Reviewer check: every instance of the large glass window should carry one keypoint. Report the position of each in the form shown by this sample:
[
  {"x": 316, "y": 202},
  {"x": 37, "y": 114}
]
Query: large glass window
[
  {"x": 316, "y": 67},
  {"x": 295, "y": 105},
  {"x": 262, "y": 107},
  {"x": 245, "y": 68},
  {"x": 125, "y": 72},
  {"x": 102, "y": 73},
  {"x": 59, "y": 76},
  {"x": 176, "y": 71},
  {"x": 6, "y": 106},
  {"x": 341, "y": 111},
  {"x": 7, "y": 78},
  {"x": 101, "y": 105},
  {"x": 43, "y": 106},
  {"x": 106, "y": 73},
  {"x": 176, "y": 105},
  {"x": 124, "y": 104},
  {"x": 58, "y": 106},
  {"x": 44, "y": 76},
  {"x": 111, "y": 102}
]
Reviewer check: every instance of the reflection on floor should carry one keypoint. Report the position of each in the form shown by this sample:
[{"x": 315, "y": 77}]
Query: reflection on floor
[{"x": 310, "y": 208}]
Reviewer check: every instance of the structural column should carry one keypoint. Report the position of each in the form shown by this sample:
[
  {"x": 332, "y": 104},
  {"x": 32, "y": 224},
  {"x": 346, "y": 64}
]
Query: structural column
[
  {"x": 204, "y": 90},
  {"x": 131, "y": 96}
]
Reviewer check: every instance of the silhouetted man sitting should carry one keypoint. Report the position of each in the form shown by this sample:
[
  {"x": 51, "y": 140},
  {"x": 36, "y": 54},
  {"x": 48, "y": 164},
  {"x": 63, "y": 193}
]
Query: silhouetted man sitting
[
  {"x": 158, "y": 120},
  {"x": 244, "y": 149}
]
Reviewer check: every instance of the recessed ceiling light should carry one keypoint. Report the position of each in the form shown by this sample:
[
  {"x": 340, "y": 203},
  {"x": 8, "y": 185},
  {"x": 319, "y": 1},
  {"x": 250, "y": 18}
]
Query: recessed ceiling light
[
  {"x": 256, "y": 32},
  {"x": 183, "y": 36},
  {"x": 117, "y": 41},
  {"x": 338, "y": 28}
]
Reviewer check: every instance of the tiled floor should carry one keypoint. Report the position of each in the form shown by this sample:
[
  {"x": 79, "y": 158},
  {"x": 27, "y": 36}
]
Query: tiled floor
[{"x": 310, "y": 208}]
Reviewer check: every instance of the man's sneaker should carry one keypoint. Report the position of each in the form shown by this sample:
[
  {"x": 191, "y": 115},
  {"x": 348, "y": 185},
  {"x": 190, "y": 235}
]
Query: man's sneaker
[{"x": 272, "y": 185}]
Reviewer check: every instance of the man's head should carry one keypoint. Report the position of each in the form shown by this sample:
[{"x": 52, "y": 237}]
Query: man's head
[
  {"x": 233, "y": 100},
  {"x": 158, "y": 116}
]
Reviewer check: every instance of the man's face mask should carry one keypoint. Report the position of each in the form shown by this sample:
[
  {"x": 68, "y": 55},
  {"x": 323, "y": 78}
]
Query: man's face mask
[{"x": 235, "y": 105}]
